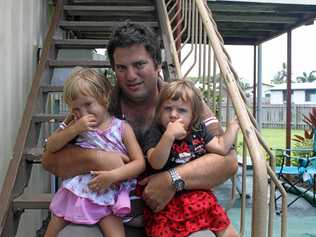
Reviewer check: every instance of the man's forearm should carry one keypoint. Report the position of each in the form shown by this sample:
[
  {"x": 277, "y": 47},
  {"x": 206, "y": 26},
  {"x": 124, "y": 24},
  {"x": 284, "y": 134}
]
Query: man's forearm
[
  {"x": 212, "y": 170},
  {"x": 73, "y": 160}
]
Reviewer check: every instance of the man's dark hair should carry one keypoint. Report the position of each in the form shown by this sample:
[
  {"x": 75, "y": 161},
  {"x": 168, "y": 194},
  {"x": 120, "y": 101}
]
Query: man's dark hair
[{"x": 128, "y": 34}]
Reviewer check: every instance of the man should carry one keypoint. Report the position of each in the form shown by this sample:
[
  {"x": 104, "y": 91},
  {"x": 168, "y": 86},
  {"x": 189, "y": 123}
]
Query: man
[{"x": 135, "y": 57}]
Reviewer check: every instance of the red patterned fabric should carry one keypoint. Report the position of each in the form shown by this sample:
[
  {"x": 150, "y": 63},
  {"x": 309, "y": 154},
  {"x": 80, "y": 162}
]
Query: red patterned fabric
[{"x": 186, "y": 213}]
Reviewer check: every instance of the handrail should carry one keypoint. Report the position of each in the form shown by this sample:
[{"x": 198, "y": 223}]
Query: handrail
[
  {"x": 260, "y": 175},
  {"x": 203, "y": 30},
  {"x": 169, "y": 43},
  {"x": 6, "y": 195}
]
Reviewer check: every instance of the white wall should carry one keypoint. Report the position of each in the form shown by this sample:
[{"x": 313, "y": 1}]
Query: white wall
[
  {"x": 276, "y": 97},
  {"x": 23, "y": 25},
  {"x": 298, "y": 97}
]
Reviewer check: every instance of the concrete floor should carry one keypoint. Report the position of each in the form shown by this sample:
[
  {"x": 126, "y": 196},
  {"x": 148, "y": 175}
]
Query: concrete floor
[{"x": 301, "y": 215}]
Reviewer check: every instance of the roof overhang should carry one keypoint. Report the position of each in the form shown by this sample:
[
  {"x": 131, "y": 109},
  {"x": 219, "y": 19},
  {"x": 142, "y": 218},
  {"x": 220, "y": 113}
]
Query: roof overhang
[{"x": 252, "y": 23}]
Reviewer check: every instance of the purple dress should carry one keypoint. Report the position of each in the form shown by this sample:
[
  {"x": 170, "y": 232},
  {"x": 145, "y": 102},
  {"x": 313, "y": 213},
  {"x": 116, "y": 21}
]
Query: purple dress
[{"x": 75, "y": 202}]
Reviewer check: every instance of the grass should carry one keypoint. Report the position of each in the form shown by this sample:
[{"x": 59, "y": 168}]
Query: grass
[{"x": 275, "y": 137}]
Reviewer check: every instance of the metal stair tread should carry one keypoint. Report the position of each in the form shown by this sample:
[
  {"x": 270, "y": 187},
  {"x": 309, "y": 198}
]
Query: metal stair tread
[
  {"x": 81, "y": 43},
  {"x": 96, "y": 24},
  {"x": 120, "y": 8},
  {"x": 33, "y": 154},
  {"x": 83, "y": 63},
  {"x": 33, "y": 201},
  {"x": 52, "y": 88},
  {"x": 41, "y": 117},
  {"x": 110, "y": 2}
]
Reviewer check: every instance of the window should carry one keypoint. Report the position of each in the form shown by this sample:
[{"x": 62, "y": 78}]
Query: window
[
  {"x": 285, "y": 95},
  {"x": 310, "y": 95}
]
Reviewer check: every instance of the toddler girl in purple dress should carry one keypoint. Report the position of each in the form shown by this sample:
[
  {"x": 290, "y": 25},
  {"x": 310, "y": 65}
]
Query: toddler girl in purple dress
[{"x": 101, "y": 196}]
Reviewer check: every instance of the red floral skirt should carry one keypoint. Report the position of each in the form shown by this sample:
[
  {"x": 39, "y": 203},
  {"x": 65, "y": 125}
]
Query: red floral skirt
[{"x": 187, "y": 213}]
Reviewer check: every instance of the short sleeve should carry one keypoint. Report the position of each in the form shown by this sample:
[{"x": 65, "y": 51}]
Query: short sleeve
[
  {"x": 207, "y": 136},
  {"x": 151, "y": 138}
]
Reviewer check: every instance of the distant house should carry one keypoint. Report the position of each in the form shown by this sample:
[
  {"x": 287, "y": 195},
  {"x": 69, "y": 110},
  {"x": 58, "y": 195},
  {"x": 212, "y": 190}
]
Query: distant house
[
  {"x": 302, "y": 93},
  {"x": 265, "y": 92},
  {"x": 265, "y": 89}
]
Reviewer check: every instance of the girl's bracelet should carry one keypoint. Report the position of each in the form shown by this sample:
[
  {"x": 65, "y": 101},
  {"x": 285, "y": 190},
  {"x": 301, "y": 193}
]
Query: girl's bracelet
[{"x": 62, "y": 125}]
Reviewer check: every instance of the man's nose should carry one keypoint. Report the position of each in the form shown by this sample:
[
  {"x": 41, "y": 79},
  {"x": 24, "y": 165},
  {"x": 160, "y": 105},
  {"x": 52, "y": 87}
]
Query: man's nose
[{"x": 131, "y": 73}]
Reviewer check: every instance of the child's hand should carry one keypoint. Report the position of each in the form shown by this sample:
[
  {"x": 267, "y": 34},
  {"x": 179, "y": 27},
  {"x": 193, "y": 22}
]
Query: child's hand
[
  {"x": 102, "y": 180},
  {"x": 176, "y": 129},
  {"x": 85, "y": 123}
]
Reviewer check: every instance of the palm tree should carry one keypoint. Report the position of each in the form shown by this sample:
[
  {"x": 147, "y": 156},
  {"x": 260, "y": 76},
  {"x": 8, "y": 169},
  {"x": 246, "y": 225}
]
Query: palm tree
[
  {"x": 281, "y": 75},
  {"x": 306, "y": 77}
]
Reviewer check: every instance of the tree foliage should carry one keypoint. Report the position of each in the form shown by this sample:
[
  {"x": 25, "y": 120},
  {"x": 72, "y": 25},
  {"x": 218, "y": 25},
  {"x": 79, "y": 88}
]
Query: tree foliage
[
  {"x": 281, "y": 75},
  {"x": 307, "y": 77}
]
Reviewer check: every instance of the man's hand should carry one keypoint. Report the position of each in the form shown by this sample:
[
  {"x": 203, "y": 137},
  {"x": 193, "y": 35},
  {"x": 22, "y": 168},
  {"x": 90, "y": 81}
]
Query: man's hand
[{"x": 158, "y": 191}]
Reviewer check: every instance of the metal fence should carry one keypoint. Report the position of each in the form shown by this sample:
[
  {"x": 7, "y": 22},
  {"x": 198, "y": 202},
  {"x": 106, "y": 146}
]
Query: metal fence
[{"x": 274, "y": 115}]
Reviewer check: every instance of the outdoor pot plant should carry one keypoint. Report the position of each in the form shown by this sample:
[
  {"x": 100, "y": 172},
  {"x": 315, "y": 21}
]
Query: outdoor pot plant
[{"x": 306, "y": 141}]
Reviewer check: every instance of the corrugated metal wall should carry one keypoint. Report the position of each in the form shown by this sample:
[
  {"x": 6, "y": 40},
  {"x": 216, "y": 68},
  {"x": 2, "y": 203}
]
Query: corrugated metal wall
[{"x": 23, "y": 26}]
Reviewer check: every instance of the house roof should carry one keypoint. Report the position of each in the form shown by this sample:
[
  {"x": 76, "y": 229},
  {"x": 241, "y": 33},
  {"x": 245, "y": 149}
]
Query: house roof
[
  {"x": 295, "y": 86},
  {"x": 254, "y": 22}
]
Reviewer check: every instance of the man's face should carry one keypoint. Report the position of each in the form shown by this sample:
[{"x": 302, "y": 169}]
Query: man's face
[{"x": 136, "y": 72}]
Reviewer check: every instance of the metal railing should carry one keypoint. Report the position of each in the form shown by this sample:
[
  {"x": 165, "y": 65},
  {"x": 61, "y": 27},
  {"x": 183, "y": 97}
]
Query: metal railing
[{"x": 193, "y": 43}]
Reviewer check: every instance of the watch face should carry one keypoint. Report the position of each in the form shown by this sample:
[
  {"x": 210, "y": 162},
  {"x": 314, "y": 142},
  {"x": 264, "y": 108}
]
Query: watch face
[{"x": 179, "y": 183}]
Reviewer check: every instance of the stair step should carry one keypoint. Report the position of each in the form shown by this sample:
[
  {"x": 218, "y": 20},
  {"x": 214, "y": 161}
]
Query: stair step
[
  {"x": 32, "y": 201},
  {"x": 52, "y": 88},
  {"x": 104, "y": 9},
  {"x": 81, "y": 44},
  {"x": 108, "y": 13},
  {"x": 33, "y": 155},
  {"x": 40, "y": 118},
  {"x": 111, "y": 2},
  {"x": 98, "y": 25},
  {"x": 82, "y": 63}
]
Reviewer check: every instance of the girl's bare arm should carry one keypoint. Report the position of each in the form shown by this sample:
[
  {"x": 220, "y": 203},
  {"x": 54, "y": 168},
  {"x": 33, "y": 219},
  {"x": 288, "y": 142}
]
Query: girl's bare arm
[
  {"x": 223, "y": 144},
  {"x": 103, "y": 179}
]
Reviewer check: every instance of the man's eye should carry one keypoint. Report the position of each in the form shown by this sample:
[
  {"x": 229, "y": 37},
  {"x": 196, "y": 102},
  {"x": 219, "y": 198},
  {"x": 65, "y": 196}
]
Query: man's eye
[
  {"x": 88, "y": 104},
  {"x": 140, "y": 65},
  {"x": 119, "y": 68}
]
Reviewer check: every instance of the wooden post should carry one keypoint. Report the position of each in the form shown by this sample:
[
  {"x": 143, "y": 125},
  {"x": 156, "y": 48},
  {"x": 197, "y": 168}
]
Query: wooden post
[{"x": 288, "y": 94}]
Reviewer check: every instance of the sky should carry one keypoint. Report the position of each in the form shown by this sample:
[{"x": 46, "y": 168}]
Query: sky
[{"x": 274, "y": 54}]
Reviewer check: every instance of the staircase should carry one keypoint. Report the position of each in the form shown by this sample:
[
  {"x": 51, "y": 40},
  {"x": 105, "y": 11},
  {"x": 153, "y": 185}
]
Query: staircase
[
  {"x": 83, "y": 25},
  {"x": 77, "y": 25}
]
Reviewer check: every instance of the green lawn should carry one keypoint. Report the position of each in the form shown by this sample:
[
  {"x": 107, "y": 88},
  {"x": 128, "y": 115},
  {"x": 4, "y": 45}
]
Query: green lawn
[{"x": 275, "y": 138}]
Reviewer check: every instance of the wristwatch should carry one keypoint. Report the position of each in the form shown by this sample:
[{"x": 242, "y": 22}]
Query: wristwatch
[{"x": 176, "y": 180}]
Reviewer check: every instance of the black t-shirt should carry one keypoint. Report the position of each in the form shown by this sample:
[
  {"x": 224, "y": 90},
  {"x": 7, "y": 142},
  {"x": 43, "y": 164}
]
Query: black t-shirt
[{"x": 190, "y": 148}]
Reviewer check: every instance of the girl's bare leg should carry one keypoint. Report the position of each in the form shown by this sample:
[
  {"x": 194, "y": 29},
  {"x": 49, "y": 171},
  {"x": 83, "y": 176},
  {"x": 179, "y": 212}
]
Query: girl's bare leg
[
  {"x": 228, "y": 232},
  {"x": 112, "y": 226},
  {"x": 55, "y": 225}
]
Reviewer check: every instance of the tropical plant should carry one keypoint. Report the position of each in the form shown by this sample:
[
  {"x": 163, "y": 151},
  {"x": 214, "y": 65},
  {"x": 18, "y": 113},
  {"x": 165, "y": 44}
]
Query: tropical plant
[
  {"x": 310, "y": 77},
  {"x": 306, "y": 141},
  {"x": 281, "y": 75}
]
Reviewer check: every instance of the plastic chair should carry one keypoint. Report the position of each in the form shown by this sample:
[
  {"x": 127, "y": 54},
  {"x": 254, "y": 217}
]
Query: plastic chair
[{"x": 299, "y": 178}]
